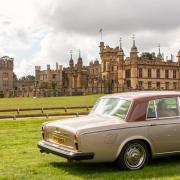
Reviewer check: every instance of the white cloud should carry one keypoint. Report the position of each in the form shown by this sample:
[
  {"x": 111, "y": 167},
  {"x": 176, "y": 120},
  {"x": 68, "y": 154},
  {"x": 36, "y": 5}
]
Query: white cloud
[{"x": 37, "y": 32}]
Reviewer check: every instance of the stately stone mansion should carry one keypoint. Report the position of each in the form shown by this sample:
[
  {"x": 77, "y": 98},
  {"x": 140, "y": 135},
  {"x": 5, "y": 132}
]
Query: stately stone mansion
[{"x": 114, "y": 73}]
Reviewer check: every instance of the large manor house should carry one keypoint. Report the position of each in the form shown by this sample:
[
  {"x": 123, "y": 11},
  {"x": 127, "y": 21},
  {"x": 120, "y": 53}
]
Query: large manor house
[{"x": 114, "y": 73}]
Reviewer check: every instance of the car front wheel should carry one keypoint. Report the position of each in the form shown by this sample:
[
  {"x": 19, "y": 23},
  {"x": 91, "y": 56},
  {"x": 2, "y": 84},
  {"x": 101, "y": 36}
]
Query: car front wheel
[{"x": 134, "y": 155}]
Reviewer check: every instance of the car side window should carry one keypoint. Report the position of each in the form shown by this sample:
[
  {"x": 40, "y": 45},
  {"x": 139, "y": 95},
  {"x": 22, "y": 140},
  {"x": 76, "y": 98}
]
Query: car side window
[
  {"x": 167, "y": 107},
  {"x": 151, "y": 112}
]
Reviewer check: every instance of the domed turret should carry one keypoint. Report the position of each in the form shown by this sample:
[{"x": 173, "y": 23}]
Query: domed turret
[
  {"x": 90, "y": 63},
  {"x": 96, "y": 62}
]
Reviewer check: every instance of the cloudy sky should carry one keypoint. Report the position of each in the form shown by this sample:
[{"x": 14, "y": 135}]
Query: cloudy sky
[{"x": 40, "y": 32}]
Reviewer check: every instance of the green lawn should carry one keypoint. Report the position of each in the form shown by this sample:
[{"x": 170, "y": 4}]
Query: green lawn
[
  {"x": 20, "y": 159},
  {"x": 14, "y": 103},
  {"x": 8, "y": 103}
]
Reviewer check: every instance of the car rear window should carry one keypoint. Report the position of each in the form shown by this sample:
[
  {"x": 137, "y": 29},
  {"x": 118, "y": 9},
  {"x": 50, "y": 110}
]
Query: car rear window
[{"x": 165, "y": 107}]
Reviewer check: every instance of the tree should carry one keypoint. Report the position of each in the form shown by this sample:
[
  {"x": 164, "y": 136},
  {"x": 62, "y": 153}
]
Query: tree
[
  {"x": 147, "y": 55},
  {"x": 28, "y": 77}
]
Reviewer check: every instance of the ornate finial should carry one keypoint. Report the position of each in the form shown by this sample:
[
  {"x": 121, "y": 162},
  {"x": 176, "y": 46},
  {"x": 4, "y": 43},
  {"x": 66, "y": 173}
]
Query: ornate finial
[
  {"x": 159, "y": 47},
  {"x": 134, "y": 41},
  {"x": 79, "y": 53},
  {"x": 160, "y": 56},
  {"x": 120, "y": 43},
  {"x": 71, "y": 53}
]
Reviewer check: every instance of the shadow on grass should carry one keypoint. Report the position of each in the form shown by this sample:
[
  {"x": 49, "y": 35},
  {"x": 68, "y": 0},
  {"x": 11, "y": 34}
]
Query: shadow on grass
[
  {"x": 88, "y": 167},
  {"x": 161, "y": 168}
]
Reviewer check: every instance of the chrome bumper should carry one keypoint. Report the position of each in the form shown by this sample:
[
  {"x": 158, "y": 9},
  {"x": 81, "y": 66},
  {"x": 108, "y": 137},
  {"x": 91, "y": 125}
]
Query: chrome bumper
[{"x": 64, "y": 153}]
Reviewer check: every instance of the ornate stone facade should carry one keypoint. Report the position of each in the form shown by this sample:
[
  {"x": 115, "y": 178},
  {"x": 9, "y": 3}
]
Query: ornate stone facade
[
  {"x": 137, "y": 72},
  {"x": 116, "y": 73}
]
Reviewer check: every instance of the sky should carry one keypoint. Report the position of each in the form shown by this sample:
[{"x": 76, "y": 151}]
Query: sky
[{"x": 41, "y": 32}]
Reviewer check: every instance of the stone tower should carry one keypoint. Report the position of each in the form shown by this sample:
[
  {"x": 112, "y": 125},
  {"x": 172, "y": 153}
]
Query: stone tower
[
  {"x": 37, "y": 73},
  {"x": 6, "y": 75},
  {"x": 134, "y": 61}
]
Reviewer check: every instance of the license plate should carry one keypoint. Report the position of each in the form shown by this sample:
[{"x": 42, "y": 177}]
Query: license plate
[{"x": 59, "y": 139}]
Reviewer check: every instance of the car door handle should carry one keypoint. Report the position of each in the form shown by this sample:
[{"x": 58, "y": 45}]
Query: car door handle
[{"x": 152, "y": 124}]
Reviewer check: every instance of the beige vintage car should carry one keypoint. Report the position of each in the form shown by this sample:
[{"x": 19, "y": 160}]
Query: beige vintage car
[{"x": 126, "y": 128}]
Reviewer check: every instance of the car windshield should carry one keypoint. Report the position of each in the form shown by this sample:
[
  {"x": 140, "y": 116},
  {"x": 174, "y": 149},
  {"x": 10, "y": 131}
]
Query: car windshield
[{"x": 111, "y": 106}]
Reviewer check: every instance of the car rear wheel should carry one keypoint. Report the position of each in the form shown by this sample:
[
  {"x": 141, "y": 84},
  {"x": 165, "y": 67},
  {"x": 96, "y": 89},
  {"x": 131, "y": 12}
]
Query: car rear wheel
[{"x": 134, "y": 155}]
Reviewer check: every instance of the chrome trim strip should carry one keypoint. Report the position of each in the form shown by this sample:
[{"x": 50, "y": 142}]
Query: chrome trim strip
[
  {"x": 172, "y": 152},
  {"x": 141, "y": 126}
]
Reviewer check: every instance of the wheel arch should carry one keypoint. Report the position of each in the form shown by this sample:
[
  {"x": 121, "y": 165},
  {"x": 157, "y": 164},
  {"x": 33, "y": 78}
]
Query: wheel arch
[{"x": 138, "y": 138}]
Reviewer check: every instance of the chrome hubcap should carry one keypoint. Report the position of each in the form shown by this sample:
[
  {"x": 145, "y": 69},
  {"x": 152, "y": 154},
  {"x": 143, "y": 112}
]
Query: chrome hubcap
[{"x": 135, "y": 156}]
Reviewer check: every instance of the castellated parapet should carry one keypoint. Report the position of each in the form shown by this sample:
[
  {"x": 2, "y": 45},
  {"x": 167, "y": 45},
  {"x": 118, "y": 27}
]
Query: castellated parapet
[
  {"x": 48, "y": 82},
  {"x": 6, "y": 63}
]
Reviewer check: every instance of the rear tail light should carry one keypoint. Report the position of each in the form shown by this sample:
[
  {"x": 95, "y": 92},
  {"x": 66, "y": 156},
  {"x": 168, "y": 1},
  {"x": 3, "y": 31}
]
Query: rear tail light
[
  {"x": 75, "y": 142},
  {"x": 42, "y": 132}
]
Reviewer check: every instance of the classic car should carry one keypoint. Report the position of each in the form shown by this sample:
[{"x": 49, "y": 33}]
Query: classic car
[{"x": 126, "y": 128}]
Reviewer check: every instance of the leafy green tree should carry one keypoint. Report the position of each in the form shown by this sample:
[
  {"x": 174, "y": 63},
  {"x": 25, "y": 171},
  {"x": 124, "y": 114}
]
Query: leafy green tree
[
  {"x": 28, "y": 77},
  {"x": 147, "y": 55}
]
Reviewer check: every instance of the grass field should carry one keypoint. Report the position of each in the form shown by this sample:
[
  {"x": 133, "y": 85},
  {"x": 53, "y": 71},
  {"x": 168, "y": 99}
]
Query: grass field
[
  {"x": 20, "y": 159},
  {"x": 14, "y": 103}
]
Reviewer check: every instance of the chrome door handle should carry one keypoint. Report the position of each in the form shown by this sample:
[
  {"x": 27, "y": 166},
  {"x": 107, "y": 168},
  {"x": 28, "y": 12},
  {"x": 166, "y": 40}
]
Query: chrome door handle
[{"x": 152, "y": 124}]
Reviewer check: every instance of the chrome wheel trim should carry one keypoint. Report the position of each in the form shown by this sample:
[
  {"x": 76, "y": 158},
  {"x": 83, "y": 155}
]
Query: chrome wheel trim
[{"x": 135, "y": 156}]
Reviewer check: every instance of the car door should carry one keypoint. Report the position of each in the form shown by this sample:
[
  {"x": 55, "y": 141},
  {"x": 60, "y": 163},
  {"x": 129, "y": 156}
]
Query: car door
[{"x": 164, "y": 125}]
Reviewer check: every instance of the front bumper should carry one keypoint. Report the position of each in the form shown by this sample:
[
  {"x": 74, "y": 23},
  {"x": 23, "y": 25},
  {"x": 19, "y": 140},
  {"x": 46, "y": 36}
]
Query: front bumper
[{"x": 44, "y": 147}]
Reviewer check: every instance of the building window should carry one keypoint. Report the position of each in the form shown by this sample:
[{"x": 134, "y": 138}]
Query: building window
[
  {"x": 158, "y": 73},
  {"x": 158, "y": 85},
  {"x": 174, "y": 85},
  {"x": 104, "y": 67},
  {"x": 112, "y": 83},
  {"x": 167, "y": 85},
  {"x": 149, "y": 73},
  {"x": 140, "y": 83},
  {"x": 5, "y": 75},
  {"x": 174, "y": 74},
  {"x": 140, "y": 73},
  {"x": 54, "y": 76},
  {"x": 128, "y": 73},
  {"x": 128, "y": 83},
  {"x": 149, "y": 84},
  {"x": 166, "y": 73},
  {"x": 112, "y": 68},
  {"x": 5, "y": 83}
]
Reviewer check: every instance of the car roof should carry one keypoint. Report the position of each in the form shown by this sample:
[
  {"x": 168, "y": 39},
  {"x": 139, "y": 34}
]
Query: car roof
[{"x": 143, "y": 95}]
